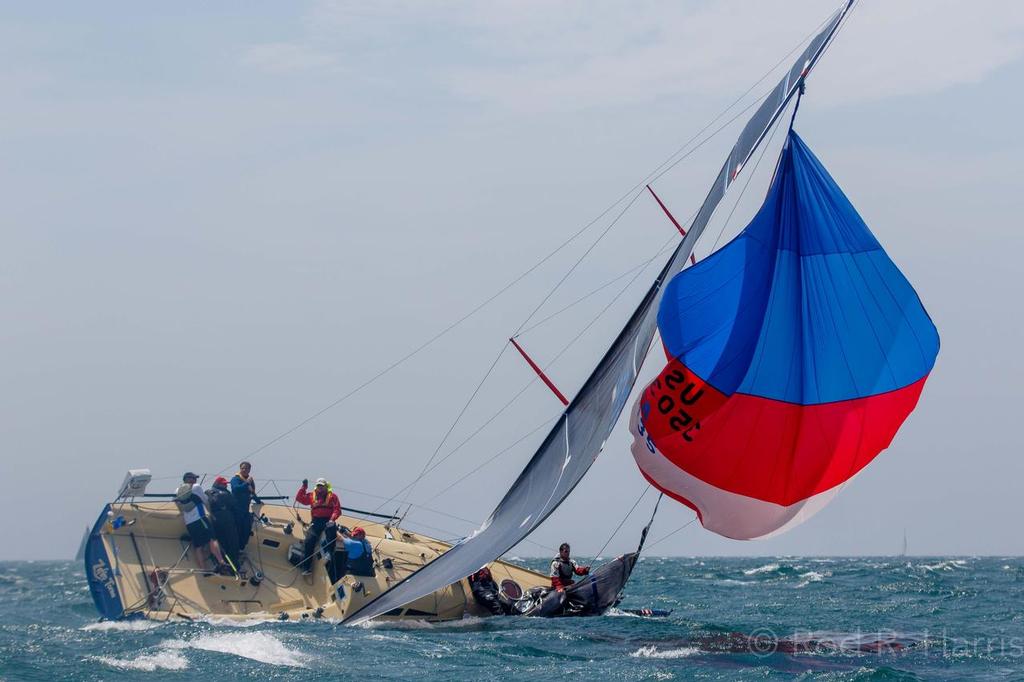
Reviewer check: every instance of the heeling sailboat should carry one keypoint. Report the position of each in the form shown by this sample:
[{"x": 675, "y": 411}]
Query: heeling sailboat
[
  {"x": 806, "y": 242},
  {"x": 579, "y": 436}
]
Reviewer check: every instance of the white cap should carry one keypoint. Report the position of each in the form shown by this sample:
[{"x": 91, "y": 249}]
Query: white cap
[{"x": 321, "y": 481}]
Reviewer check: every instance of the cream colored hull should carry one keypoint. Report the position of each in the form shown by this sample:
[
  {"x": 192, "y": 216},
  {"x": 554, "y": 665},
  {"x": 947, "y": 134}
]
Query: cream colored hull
[{"x": 146, "y": 569}]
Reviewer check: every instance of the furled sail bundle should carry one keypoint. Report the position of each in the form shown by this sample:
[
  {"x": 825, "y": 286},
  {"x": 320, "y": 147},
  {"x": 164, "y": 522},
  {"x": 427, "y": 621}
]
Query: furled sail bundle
[{"x": 795, "y": 353}]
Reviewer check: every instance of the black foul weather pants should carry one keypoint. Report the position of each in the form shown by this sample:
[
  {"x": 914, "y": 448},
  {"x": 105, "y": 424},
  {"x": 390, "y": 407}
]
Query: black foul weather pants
[{"x": 316, "y": 529}]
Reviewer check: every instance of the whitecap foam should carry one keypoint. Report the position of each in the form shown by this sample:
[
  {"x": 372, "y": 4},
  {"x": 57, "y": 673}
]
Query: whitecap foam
[
  {"x": 256, "y": 646},
  {"x": 161, "y": 660},
  {"x": 653, "y": 652},
  {"x": 767, "y": 568},
  {"x": 812, "y": 577},
  {"x": 121, "y": 625},
  {"x": 465, "y": 621},
  {"x": 255, "y": 620}
]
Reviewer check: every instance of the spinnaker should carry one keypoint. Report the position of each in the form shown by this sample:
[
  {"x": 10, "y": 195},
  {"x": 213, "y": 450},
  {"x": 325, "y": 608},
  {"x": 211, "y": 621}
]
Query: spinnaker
[{"x": 795, "y": 353}]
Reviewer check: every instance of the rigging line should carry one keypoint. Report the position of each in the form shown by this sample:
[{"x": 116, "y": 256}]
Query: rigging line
[
  {"x": 560, "y": 353},
  {"x": 664, "y": 248},
  {"x": 637, "y": 192},
  {"x": 579, "y": 260},
  {"x": 464, "y": 441},
  {"x": 746, "y": 183},
  {"x": 455, "y": 423},
  {"x": 493, "y": 457},
  {"x": 658, "y": 172},
  {"x": 667, "y": 536},
  {"x": 555, "y": 359},
  {"x": 651, "y": 177},
  {"x": 669, "y": 164},
  {"x": 600, "y": 552},
  {"x": 655, "y": 176},
  {"x": 381, "y": 497}
]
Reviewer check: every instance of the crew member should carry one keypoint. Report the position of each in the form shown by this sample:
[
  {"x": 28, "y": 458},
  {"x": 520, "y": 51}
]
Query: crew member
[
  {"x": 487, "y": 594},
  {"x": 358, "y": 553},
  {"x": 325, "y": 508},
  {"x": 243, "y": 487},
  {"x": 192, "y": 503},
  {"x": 223, "y": 514},
  {"x": 564, "y": 568}
]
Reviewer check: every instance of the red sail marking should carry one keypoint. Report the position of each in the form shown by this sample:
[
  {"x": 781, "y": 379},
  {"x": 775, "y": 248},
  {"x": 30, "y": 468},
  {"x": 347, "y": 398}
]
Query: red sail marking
[
  {"x": 768, "y": 449},
  {"x": 693, "y": 259}
]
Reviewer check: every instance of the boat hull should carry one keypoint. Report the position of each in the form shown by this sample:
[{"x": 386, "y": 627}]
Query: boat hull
[{"x": 139, "y": 563}]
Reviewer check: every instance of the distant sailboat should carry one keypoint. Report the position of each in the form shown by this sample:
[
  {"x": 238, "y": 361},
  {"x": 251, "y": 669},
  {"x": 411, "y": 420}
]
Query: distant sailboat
[
  {"x": 80, "y": 554},
  {"x": 903, "y": 548}
]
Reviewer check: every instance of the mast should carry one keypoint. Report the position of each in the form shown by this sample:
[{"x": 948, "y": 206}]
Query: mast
[{"x": 579, "y": 436}]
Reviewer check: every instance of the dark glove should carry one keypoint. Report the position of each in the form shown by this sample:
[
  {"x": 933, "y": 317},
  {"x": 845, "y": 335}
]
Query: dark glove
[
  {"x": 305, "y": 483},
  {"x": 256, "y": 499},
  {"x": 586, "y": 570}
]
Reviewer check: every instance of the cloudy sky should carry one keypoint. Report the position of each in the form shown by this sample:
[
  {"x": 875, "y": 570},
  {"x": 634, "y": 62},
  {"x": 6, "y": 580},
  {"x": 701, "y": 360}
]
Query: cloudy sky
[{"x": 218, "y": 220}]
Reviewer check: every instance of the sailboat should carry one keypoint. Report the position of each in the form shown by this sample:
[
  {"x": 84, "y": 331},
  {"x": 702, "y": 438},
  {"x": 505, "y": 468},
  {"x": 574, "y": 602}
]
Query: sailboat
[{"x": 794, "y": 353}]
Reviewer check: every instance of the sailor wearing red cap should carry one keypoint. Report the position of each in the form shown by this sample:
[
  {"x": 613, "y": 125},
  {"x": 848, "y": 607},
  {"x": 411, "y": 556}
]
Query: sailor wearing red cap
[
  {"x": 358, "y": 551},
  {"x": 223, "y": 513}
]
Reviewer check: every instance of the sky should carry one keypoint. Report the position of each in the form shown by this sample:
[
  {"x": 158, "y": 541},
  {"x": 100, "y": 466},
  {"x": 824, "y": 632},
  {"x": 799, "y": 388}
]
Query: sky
[{"x": 217, "y": 220}]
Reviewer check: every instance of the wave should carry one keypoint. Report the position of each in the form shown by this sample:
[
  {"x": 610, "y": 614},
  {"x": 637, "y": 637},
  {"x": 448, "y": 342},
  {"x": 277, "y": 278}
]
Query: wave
[
  {"x": 767, "y": 568},
  {"x": 653, "y": 652},
  {"x": 254, "y": 621},
  {"x": 464, "y": 622},
  {"x": 948, "y": 565},
  {"x": 256, "y": 646},
  {"x": 161, "y": 660},
  {"x": 121, "y": 625},
  {"x": 812, "y": 577}
]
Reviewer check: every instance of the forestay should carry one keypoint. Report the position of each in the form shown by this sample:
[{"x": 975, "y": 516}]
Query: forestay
[{"x": 574, "y": 443}]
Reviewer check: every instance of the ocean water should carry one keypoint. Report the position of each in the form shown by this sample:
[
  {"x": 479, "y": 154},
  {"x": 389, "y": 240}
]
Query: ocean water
[{"x": 732, "y": 619}]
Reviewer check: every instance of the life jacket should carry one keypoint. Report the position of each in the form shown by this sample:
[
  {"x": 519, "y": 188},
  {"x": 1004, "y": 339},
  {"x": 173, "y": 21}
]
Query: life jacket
[
  {"x": 562, "y": 572},
  {"x": 314, "y": 503},
  {"x": 221, "y": 501},
  {"x": 364, "y": 564}
]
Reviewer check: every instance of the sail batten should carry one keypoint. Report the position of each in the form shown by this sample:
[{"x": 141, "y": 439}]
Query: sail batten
[{"x": 571, "y": 447}]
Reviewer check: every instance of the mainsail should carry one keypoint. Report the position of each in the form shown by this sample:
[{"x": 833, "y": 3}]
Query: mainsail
[
  {"x": 795, "y": 354},
  {"x": 570, "y": 449}
]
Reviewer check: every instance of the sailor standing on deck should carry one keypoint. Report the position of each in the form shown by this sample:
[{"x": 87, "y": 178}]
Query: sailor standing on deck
[
  {"x": 564, "y": 568},
  {"x": 223, "y": 515},
  {"x": 325, "y": 508},
  {"x": 193, "y": 505},
  {"x": 243, "y": 488}
]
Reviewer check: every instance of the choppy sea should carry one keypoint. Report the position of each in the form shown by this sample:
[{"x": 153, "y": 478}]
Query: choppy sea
[{"x": 732, "y": 619}]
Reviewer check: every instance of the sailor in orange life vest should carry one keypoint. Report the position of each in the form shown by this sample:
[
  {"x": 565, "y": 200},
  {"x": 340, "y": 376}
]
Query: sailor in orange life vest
[
  {"x": 325, "y": 508},
  {"x": 563, "y": 568}
]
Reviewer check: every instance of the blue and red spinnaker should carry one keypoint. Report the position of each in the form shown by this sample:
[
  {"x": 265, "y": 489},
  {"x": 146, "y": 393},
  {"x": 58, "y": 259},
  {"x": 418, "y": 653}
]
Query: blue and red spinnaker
[{"x": 795, "y": 353}]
